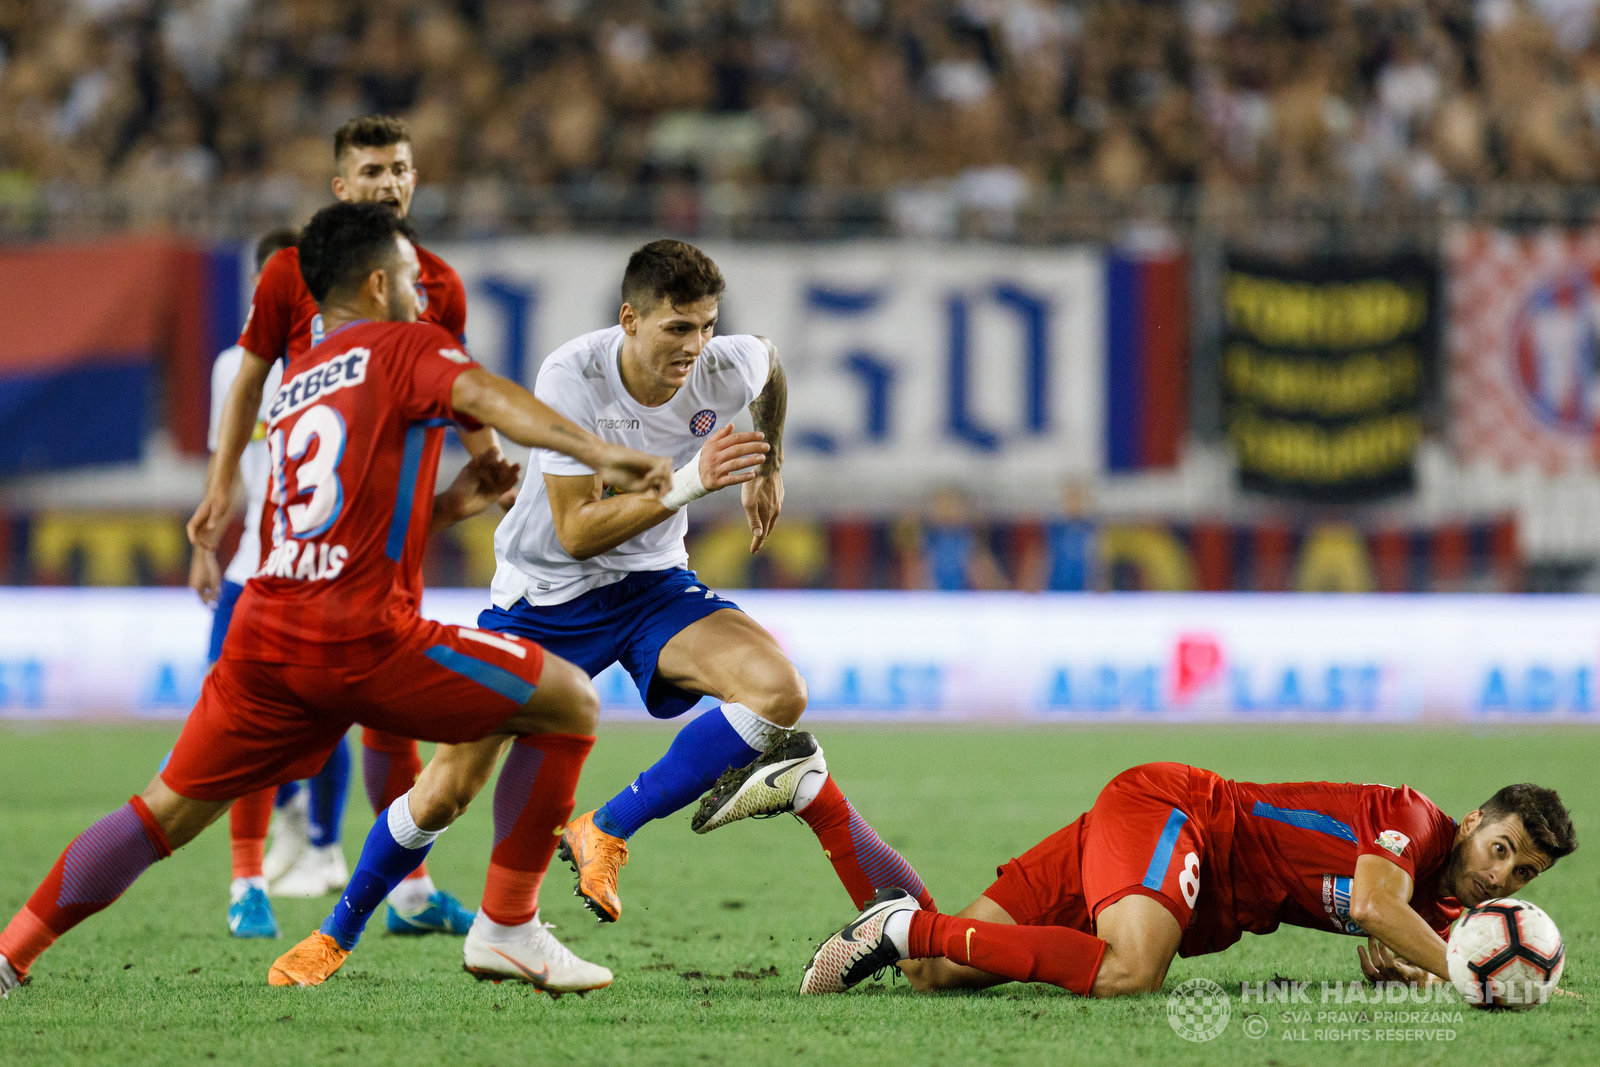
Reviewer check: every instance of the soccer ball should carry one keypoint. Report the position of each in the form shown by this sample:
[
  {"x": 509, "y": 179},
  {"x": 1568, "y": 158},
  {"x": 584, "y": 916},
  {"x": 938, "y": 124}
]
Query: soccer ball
[{"x": 1505, "y": 954}]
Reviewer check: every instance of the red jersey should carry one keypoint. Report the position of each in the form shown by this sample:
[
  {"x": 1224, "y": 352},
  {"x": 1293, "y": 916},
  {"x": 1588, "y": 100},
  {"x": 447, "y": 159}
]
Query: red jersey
[
  {"x": 1286, "y": 854},
  {"x": 354, "y": 434},
  {"x": 284, "y": 321}
]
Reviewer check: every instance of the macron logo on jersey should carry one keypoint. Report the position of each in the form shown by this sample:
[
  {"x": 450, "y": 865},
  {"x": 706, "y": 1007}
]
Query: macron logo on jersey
[{"x": 309, "y": 386}]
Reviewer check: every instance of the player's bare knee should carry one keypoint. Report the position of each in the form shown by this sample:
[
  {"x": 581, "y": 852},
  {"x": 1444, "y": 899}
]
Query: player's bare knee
[
  {"x": 437, "y": 809},
  {"x": 916, "y": 972},
  {"x": 180, "y": 818},
  {"x": 1122, "y": 976},
  {"x": 565, "y": 703},
  {"x": 578, "y": 706},
  {"x": 928, "y": 976},
  {"x": 778, "y": 694}
]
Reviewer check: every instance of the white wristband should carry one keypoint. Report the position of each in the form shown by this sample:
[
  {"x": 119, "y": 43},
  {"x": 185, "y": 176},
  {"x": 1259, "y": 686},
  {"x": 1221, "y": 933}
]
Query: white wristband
[{"x": 686, "y": 486}]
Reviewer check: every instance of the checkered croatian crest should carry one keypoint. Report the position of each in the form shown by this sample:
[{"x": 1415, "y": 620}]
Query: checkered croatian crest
[{"x": 703, "y": 422}]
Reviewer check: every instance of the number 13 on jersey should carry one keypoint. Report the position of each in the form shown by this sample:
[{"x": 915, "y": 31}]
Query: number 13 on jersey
[{"x": 315, "y": 444}]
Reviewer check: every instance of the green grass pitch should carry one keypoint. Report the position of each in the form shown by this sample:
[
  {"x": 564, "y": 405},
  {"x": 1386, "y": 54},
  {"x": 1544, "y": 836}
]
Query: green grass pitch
[{"x": 156, "y": 979}]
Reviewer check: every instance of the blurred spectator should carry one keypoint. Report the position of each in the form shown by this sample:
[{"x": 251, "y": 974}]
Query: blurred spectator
[
  {"x": 959, "y": 109},
  {"x": 955, "y": 546},
  {"x": 1074, "y": 563}
]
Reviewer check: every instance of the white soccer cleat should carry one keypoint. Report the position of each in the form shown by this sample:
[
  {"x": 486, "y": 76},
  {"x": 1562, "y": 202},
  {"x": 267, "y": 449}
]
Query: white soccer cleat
[
  {"x": 530, "y": 953},
  {"x": 337, "y": 869},
  {"x": 8, "y": 979},
  {"x": 765, "y": 787},
  {"x": 860, "y": 950},
  {"x": 318, "y": 872},
  {"x": 291, "y": 836}
]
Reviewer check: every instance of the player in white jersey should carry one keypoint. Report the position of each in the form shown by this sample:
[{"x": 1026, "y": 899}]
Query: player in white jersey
[
  {"x": 307, "y": 858},
  {"x": 597, "y": 578}
]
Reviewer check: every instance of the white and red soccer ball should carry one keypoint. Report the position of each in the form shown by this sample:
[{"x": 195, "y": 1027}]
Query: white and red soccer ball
[{"x": 1505, "y": 953}]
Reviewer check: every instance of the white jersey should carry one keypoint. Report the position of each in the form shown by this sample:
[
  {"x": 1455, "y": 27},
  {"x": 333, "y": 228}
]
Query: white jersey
[
  {"x": 581, "y": 380},
  {"x": 254, "y": 464}
]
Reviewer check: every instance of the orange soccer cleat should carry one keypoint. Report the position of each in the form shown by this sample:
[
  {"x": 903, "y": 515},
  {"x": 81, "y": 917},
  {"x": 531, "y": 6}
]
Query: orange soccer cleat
[
  {"x": 596, "y": 857},
  {"x": 311, "y": 962}
]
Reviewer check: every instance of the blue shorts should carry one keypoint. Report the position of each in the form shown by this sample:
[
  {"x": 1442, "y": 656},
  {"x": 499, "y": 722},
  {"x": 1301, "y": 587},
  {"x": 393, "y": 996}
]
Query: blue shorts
[
  {"x": 629, "y": 621},
  {"x": 226, "y": 598}
]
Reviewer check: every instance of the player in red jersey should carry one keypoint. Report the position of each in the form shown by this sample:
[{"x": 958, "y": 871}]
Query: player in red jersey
[
  {"x": 374, "y": 165},
  {"x": 1174, "y": 860},
  {"x": 327, "y": 632}
]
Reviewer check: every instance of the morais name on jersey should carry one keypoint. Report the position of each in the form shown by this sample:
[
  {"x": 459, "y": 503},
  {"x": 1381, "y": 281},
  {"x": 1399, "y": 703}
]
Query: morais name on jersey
[
  {"x": 311, "y": 385},
  {"x": 305, "y": 562}
]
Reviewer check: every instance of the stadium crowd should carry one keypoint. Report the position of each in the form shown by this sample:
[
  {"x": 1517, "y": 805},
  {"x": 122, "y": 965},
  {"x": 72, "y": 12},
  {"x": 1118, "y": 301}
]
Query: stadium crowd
[{"x": 985, "y": 101}]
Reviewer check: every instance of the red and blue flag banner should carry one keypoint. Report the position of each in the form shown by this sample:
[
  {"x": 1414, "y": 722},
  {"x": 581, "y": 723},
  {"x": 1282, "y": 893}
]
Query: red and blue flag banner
[
  {"x": 1525, "y": 348},
  {"x": 104, "y": 340},
  {"x": 1147, "y": 358},
  {"x": 1325, "y": 364}
]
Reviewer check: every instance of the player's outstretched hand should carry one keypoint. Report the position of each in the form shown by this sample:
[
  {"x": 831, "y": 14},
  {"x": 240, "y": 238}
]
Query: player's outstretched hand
[
  {"x": 629, "y": 471},
  {"x": 729, "y": 458},
  {"x": 495, "y": 476},
  {"x": 1379, "y": 964},
  {"x": 763, "y": 500},
  {"x": 209, "y": 520},
  {"x": 485, "y": 480},
  {"x": 205, "y": 575}
]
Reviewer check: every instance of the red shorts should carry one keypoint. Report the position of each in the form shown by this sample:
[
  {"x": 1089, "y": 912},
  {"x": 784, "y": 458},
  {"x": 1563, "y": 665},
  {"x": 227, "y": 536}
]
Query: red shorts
[
  {"x": 1141, "y": 836},
  {"x": 260, "y": 724}
]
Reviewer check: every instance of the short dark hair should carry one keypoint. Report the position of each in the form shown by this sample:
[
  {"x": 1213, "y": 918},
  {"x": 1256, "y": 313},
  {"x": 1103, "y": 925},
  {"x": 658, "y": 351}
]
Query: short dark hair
[
  {"x": 370, "y": 131},
  {"x": 272, "y": 243},
  {"x": 669, "y": 270},
  {"x": 1543, "y": 816},
  {"x": 344, "y": 243}
]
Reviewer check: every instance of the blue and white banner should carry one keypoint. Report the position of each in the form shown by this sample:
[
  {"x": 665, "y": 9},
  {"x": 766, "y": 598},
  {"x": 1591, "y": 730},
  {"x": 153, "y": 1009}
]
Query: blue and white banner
[
  {"x": 68, "y": 653},
  {"x": 910, "y": 366}
]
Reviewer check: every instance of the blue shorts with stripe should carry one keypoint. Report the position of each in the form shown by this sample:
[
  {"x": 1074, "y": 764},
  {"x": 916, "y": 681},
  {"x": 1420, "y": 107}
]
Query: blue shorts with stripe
[
  {"x": 630, "y": 621},
  {"x": 227, "y": 597}
]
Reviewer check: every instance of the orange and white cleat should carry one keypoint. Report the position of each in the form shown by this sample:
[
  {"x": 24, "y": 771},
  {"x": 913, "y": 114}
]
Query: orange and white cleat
[
  {"x": 311, "y": 962},
  {"x": 860, "y": 950},
  {"x": 596, "y": 857}
]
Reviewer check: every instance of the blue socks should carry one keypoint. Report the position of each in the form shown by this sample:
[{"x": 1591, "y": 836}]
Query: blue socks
[
  {"x": 699, "y": 754},
  {"x": 328, "y": 791},
  {"x": 327, "y": 795},
  {"x": 394, "y": 848}
]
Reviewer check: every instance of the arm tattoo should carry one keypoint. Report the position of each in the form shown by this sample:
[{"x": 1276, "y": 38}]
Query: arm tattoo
[{"x": 768, "y": 409}]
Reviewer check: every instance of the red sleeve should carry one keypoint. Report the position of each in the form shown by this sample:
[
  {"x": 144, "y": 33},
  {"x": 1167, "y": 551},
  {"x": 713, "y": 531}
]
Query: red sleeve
[
  {"x": 1404, "y": 827},
  {"x": 266, "y": 329},
  {"x": 454, "y": 317},
  {"x": 433, "y": 360}
]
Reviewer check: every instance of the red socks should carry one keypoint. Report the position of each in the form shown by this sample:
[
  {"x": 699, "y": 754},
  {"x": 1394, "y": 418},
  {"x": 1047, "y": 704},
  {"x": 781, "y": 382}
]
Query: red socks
[
  {"x": 248, "y": 820},
  {"x": 861, "y": 859},
  {"x": 1058, "y": 955},
  {"x": 94, "y": 870},
  {"x": 389, "y": 767},
  {"x": 532, "y": 802}
]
